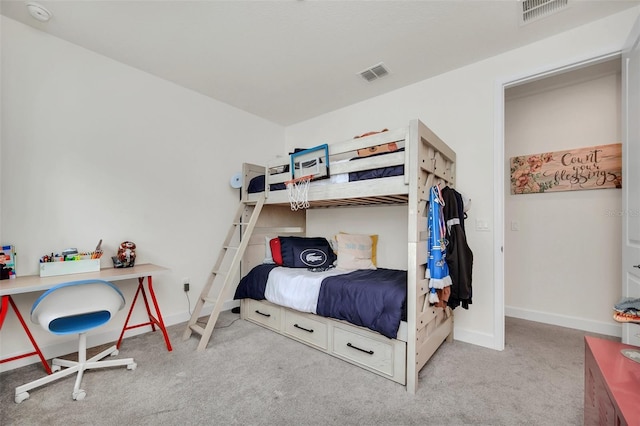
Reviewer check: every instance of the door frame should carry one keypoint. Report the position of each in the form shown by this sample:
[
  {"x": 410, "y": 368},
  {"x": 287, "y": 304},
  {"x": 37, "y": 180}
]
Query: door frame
[
  {"x": 629, "y": 254},
  {"x": 499, "y": 172}
]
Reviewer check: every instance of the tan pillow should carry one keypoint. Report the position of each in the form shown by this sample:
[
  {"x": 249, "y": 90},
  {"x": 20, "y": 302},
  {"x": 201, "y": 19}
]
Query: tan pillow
[
  {"x": 374, "y": 247},
  {"x": 355, "y": 251}
]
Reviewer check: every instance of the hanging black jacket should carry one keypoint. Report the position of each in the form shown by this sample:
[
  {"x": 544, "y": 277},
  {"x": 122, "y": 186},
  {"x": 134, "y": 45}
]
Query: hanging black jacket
[{"x": 459, "y": 255}]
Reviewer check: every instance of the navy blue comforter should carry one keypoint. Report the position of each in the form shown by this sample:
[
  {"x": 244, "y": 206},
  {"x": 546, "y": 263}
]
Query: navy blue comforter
[
  {"x": 375, "y": 299},
  {"x": 252, "y": 285},
  {"x": 369, "y": 298}
]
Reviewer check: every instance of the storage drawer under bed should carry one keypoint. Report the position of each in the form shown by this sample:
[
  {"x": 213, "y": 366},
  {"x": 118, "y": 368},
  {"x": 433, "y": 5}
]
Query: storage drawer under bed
[
  {"x": 263, "y": 313},
  {"x": 373, "y": 352},
  {"x": 356, "y": 345},
  {"x": 303, "y": 327}
]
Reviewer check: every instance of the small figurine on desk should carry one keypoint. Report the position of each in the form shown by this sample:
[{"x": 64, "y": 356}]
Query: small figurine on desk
[
  {"x": 126, "y": 255},
  {"x": 7, "y": 263},
  {"x": 4, "y": 271}
]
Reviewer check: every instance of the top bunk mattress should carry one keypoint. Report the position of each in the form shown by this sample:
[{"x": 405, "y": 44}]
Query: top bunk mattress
[
  {"x": 257, "y": 184},
  {"x": 385, "y": 168}
]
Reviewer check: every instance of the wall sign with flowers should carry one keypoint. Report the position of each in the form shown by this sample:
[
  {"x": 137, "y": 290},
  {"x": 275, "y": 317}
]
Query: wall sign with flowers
[{"x": 595, "y": 167}]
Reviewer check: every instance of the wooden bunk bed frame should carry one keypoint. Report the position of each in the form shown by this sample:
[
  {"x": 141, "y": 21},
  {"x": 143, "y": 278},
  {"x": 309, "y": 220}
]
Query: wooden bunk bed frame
[{"x": 427, "y": 161}]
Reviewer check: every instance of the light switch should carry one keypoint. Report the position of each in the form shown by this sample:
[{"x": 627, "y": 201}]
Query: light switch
[
  {"x": 515, "y": 225},
  {"x": 482, "y": 225}
]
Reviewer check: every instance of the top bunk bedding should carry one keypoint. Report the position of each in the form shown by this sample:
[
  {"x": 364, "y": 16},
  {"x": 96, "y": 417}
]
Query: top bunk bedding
[
  {"x": 355, "y": 175},
  {"x": 257, "y": 184}
]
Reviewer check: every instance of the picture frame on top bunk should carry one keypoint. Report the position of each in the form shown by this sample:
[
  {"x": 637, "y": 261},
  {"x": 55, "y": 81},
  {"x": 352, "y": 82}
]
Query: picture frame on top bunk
[{"x": 425, "y": 160}]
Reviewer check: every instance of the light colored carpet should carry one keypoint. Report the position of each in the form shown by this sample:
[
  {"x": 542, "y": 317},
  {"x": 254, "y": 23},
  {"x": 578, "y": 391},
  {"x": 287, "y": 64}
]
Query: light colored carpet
[{"x": 251, "y": 376}]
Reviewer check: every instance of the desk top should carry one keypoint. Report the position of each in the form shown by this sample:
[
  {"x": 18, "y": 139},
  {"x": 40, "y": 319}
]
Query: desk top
[{"x": 30, "y": 283}]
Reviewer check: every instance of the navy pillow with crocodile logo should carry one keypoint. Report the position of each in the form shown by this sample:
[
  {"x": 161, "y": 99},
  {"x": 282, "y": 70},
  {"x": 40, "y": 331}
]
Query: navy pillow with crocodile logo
[{"x": 306, "y": 252}]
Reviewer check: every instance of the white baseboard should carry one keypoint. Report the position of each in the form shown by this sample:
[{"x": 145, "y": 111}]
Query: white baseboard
[
  {"x": 488, "y": 340},
  {"x": 100, "y": 338},
  {"x": 185, "y": 316},
  {"x": 565, "y": 321},
  {"x": 462, "y": 335},
  {"x": 475, "y": 338}
]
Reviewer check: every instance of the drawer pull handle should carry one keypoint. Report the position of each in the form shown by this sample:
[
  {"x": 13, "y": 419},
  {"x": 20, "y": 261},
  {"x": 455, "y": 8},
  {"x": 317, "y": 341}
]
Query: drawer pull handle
[
  {"x": 302, "y": 328},
  {"x": 264, "y": 315},
  {"x": 361, "y": 350},
  {"x": 636, "y": 266}
]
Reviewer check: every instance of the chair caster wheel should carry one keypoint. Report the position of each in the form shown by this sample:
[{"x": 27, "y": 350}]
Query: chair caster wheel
[
  {"x": 55, "y": 368},
  {"x": 132, "y": 366},
  {"x": 79, "y": 396},
  {"x": 115, "y": 352},
  {"x": 21, "y": 397}
]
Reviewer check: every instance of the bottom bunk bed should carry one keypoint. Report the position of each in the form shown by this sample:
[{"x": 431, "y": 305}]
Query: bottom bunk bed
[{"x": 359, "y": 316}]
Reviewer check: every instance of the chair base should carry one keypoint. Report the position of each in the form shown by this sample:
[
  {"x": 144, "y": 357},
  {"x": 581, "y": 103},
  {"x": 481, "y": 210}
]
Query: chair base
[{"x": 79, "y": 367}]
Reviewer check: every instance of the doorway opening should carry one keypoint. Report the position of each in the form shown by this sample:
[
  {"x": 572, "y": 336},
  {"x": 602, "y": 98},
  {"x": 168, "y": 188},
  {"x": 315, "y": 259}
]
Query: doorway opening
[{"x": 561, "y": 251}]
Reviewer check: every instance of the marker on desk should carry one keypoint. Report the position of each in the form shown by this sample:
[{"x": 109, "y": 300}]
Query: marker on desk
[{"x": 98, "y": 251}]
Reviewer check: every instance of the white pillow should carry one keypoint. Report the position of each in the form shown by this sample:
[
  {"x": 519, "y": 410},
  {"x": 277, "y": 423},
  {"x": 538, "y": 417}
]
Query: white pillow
[
  {"x": 268, "y": 256},
  {"x": 354, "y": 251}
]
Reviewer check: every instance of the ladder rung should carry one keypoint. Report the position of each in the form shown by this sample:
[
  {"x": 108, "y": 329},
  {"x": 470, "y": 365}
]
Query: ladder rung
[
  {"x": 278, "y": 229},
  {"x": 196, "y": 328},
  {"x": 231, "y": 247},
  {"x": 209, "y": 299}
]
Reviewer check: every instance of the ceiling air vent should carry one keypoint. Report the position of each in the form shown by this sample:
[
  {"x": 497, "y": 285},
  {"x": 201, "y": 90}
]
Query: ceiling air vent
[
  {"x": 375, "y": 72},
  {"x": 532, "y": 10}
]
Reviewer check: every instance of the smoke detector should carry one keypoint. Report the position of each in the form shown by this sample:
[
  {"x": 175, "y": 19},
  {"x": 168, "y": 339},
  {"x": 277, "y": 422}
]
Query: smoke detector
[
  {"x": 532, "y": 10},
  {"x": 39, "y": 12},
  {"x": 375, "y": 72}
]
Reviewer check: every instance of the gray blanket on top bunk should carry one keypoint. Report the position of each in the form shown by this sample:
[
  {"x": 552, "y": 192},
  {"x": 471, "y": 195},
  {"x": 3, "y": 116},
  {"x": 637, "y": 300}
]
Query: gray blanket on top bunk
[{"x": 375, "y": 299}]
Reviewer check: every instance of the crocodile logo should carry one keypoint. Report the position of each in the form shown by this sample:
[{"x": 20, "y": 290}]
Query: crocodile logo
[{"x": 313, "y": 257}]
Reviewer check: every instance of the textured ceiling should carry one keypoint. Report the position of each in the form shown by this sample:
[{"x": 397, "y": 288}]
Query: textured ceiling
[{"x": 287, "y": 61}]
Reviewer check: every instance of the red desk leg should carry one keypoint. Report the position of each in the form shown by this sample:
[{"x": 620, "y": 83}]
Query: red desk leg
[
  {"x": 6, "y": 300},
  {"x": 4, "y": 308},
  {"x": 153, "y": 320}
]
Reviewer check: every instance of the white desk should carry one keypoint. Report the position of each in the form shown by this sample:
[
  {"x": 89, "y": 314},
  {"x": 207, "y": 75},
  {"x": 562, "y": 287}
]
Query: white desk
[{"x": 34, "y": 283}]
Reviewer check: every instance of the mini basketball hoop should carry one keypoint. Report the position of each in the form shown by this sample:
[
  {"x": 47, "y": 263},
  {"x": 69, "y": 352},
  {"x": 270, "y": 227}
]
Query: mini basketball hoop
[{"x": 298, "y": 189}]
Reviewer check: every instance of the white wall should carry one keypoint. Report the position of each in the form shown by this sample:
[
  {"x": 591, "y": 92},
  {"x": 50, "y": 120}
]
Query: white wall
[
  {"x": 93, "y": 149},
  {"x": 563, "y": 264},
  {"x": 388, "y": 222},
  {"x": 460, "y": 107}
]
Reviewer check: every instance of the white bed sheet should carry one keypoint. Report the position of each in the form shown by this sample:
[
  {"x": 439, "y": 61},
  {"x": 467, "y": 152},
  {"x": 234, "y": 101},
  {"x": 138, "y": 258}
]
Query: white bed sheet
[{"x": 296, "y": 288}]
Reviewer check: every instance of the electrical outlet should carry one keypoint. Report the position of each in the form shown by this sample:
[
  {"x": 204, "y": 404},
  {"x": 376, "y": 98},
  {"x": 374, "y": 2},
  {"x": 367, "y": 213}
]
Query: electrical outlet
[{"x": 186, "y": 287}]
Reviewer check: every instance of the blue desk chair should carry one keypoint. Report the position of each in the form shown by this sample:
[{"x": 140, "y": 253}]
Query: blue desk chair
[{"x": 76, "y": 308}]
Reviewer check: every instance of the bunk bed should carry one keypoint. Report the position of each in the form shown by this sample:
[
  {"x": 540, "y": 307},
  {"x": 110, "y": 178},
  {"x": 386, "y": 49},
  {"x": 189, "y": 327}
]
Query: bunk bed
[{"x": 403, "y": 176}]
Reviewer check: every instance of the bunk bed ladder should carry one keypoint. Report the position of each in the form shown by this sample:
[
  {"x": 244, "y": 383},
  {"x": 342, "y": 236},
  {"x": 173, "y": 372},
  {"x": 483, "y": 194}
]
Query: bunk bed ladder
[{"x": 219, "y": 286}]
